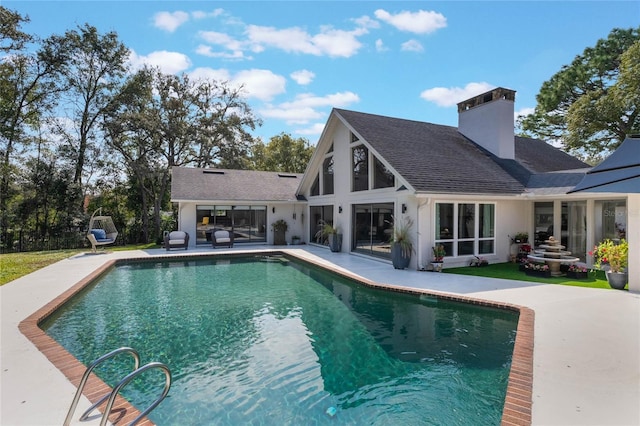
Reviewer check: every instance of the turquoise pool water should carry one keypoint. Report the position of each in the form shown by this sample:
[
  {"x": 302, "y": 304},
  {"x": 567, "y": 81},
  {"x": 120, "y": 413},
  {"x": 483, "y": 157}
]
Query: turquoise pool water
[{"x": 269, "y": 341}]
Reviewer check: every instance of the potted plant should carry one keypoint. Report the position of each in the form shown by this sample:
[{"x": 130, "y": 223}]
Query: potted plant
[
  {"x": 521, "y": 237},
  {"x": 401, "y": 244},
  {"x": 439, "y": 253},
  {"x": 617, "y": 257},
  {"x": 331, "y": 234},
  {"x": 295, "y": 240},
  {"x": 280, "y": 228}
]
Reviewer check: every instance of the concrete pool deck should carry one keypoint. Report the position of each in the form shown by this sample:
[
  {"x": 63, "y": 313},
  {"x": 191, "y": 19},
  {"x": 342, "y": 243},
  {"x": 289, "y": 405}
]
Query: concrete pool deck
[{"x": 586, "y": 359}]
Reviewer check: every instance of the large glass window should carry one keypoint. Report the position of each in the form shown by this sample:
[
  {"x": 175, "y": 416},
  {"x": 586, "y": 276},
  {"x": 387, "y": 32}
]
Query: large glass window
[
  {"x": 360, "y": 171},
  {"x": 372, "y": 229},
  {"x": 543, "y": 216},
  {"x": 248, "y": 223},
  {"x": 611, "y": 220},
  {"x": 473, "y": 232},
  {"x": 574, "y": 228},
  {"x": 327, "y": 176},
  {"x": 382, "y": 177},
  {"x": 319, "y": 216},
  {"x": 315, "y": 186}
]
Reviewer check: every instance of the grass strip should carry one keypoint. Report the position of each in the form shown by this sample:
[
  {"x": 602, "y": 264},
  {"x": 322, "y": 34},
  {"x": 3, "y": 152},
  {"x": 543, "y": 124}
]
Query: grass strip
[
  {"x": 16, "y": 265},
  {"x": 511, "y": 271}
]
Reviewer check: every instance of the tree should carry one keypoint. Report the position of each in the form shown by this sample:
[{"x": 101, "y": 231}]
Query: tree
[
  {"x": 28, "y": 87},
  {"x": 94, "y": 69},
  {"x": 587, "y": 105},
  {"x": 283, "y": 154},
  {"x": 162, "y": 121}
]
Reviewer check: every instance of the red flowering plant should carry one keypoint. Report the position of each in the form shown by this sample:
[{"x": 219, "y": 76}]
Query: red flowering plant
[{"x": 608, "y": 252}]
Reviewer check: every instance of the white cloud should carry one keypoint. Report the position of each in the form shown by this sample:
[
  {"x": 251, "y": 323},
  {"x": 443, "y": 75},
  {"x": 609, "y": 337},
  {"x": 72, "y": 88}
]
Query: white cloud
[
  {"x": 199, "y": 14},
  {"x": 380, "y": 47},
  {"x": 305, "y": 108},
  {"x": 205, "y": 50},
  {"x": 202, "y": 73},
  {"x": 260, "y": 84},
  {"x": 303, "y": 77},
  {"x": 420, "y": 22},
  {"x": 447, "y": 97},
  {"x": 523, "y": 112},
  {"x": 168, "y": 62},
  {"x": 314, "y": 129},
  {"x": 168, "y": 21},
  {"x": 412, "y": 46},
  {"x": 257, "y": 83},
  {"x": 331, "y": 42}
]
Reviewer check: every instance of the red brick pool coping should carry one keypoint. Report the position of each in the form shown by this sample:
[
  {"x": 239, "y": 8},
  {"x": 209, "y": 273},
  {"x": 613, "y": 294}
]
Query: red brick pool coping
[{"x": 518, "y": 400}]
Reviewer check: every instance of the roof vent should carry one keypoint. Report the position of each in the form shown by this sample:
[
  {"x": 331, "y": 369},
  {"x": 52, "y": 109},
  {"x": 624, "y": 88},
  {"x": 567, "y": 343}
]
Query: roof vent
[{"x": 213, "y": 172}]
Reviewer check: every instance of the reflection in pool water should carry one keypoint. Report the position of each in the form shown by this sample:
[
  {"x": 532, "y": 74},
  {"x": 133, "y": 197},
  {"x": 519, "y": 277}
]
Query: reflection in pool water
[{"x": 273, "y": 341}]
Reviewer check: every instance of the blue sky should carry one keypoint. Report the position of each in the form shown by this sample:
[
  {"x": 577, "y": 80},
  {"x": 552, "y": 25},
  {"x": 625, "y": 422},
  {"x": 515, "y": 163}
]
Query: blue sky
[{"x": 299, "y": 59}]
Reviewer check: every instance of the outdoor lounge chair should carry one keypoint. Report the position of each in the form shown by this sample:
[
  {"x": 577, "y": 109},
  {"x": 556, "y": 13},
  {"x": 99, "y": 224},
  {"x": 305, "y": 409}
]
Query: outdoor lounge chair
[
  {"x": 222, "y": 238},
  {"x": 176, "y": 239}
]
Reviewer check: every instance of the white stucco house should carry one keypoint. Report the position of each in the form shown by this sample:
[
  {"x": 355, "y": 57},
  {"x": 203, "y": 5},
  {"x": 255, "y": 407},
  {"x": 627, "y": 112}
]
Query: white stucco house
[{"x": 470, "y": 188}]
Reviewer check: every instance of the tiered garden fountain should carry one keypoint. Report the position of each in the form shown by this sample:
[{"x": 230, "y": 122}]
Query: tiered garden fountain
[{"x": 553, "y": 254}]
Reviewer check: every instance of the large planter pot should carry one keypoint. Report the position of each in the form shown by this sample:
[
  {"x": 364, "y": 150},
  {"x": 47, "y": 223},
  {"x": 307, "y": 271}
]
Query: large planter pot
[
  {"x": 617, "y": 280},
  {"x": 278, "y": 237},
  {"x": 335, "y": 242},
  {"x": 399, "y": 260}
]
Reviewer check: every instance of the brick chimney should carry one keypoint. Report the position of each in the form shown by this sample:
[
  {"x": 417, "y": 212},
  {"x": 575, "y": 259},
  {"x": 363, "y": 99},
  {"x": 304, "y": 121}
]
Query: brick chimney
[{"x": 487, "y": 119}]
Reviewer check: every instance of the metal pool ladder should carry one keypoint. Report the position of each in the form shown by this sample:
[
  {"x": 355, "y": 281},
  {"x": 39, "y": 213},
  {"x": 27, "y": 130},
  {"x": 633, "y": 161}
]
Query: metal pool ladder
[{"x": 111, "y": 396}]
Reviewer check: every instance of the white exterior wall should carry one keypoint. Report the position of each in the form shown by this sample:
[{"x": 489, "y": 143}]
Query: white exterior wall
[
  {"x": 187, "y": 218},
  {"x": 345, "y": 198},
  {"x": 633, "y": 237},
  {"x": 511, "y": 216}
]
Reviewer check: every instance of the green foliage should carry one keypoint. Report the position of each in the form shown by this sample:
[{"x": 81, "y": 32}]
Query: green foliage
[
  {"x": 616, "y": 255},
  {"x": 591, "y": 105},
  {"x": 282, "y": 154},
  {"x": 402, "y": 235},
  {"x": 280, "y": 225}
]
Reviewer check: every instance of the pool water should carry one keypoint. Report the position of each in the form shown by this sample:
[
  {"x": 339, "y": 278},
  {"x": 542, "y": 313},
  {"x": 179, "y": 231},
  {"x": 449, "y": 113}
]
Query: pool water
[{"x": 267, "y": 340}]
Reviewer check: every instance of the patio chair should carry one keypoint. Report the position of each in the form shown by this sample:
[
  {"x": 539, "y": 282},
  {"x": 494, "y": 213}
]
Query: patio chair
[
  {"x": 176, "y": 239},
  {"x": 222, "y": 238}
]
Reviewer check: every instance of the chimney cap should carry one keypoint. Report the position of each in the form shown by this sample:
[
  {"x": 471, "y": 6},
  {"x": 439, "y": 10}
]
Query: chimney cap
[{"x": 492, "y": 95}]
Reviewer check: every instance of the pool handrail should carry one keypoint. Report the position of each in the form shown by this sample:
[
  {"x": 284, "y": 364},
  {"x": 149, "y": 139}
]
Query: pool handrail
[
  {"x": 85, "y": 377},
  {"x": 127, "y": 379}
]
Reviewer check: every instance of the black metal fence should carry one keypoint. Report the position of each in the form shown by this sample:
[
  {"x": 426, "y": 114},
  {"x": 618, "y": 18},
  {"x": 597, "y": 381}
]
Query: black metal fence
[{"x": 21, "y": 241}]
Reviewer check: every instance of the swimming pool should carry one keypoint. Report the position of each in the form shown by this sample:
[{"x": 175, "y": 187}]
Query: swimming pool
[{"x": 272, "y": 341}]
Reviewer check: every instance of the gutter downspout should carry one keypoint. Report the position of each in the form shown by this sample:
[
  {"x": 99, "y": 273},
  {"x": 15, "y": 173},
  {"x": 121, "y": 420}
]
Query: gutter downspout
[{"x": 420, "y": 267}]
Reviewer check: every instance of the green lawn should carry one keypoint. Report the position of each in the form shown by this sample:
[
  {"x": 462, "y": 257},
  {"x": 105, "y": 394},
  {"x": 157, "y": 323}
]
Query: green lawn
[
  {"x": 16, "y": 265},
  {"x": 510, "y": 271}
]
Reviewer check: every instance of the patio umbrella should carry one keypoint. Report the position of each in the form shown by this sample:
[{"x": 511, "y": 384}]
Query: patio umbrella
[{"x": 620, "y": 172}]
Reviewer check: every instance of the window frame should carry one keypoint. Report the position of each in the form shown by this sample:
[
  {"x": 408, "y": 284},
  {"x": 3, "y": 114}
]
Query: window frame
[{"x": 456, "y": 240}]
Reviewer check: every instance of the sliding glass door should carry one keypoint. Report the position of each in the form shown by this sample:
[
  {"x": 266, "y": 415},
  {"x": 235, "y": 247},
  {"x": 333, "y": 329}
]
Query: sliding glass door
[
  {"x": 248, "y": 223},
  {"x": 372, "y": 229}
]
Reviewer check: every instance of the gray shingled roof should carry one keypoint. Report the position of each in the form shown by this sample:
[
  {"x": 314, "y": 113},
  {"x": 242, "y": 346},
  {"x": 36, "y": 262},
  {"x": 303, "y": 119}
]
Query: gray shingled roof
[
  {"x": 193, "y": 184},
  {"x": 555, "y": 183},
  {"x": 439, "y": 159},
  {"x": 540, "y": 157}
]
